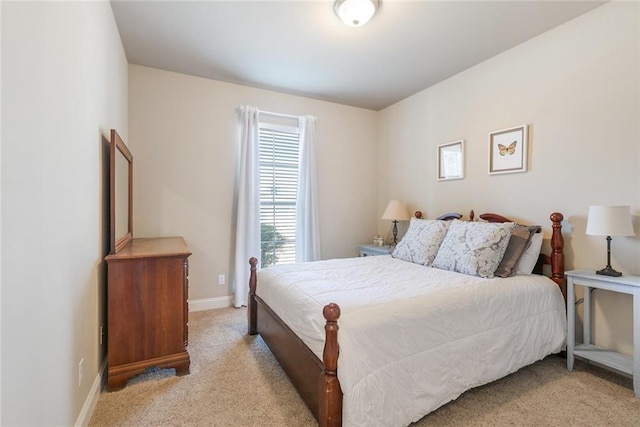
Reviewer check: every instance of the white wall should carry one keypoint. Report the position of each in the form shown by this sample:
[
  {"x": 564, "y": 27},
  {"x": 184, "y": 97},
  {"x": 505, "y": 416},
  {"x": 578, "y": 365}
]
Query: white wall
[
  {"x": 183, "y": 134},
  {"x": 64, "y": 81},
  {"x": 578, "y": 88},
  {"x": 0, "y": 213}
]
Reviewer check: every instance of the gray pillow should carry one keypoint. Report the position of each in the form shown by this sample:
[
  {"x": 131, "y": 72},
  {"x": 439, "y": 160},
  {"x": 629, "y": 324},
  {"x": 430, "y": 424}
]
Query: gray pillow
[
  {"x": 474, "y": 248},
  {"x": 421, "y": 242},
  {"x": 517, "y": 244}
]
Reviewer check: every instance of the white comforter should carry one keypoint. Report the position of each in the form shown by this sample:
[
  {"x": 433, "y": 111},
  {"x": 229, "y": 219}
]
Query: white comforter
[{"x": 413, "y": 338}]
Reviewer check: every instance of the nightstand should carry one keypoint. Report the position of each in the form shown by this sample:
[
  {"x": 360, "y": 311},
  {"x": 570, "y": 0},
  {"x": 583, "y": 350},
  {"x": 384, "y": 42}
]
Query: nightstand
[
  {"x": 620, "y": 362},
  {"x": 372, "y": 250}
]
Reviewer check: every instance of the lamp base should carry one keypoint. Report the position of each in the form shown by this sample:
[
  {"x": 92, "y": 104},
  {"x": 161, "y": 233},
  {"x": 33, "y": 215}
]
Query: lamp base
[
  {"x": 608, "y": 271},
  {"x": 395, "y": 233}
]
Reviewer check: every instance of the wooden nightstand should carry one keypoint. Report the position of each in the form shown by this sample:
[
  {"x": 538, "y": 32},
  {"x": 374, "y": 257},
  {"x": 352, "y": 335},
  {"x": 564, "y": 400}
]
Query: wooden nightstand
[
  {"x": 620, "y": 362},
  {"x": 372, "y": 250}
]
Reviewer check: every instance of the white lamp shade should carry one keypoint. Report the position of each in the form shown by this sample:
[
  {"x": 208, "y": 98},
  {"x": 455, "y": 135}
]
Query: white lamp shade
[
  {"x": 610, "y": 221},
  {"x": 355, "y": 13},
  {"x": 396, "y": 211}
]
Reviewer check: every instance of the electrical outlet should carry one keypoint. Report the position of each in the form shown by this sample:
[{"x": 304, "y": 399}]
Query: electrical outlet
[
  {"x": 220, "y": 279},
  {"x": 101, "y": 334},
  {"x": 80, "y": 372}
]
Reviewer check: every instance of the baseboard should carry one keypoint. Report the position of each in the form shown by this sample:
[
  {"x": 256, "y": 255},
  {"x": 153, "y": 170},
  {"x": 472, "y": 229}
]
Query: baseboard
[
  {"x": 210, "y": 303},
  {"x": 92, "y": 399}
]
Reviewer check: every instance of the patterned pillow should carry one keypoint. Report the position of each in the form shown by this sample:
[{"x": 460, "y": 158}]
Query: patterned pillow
[
  {"x": 421, "y": 242},
  {"x": 474, "y": 248},
  {"x": 517, "y": 244}
]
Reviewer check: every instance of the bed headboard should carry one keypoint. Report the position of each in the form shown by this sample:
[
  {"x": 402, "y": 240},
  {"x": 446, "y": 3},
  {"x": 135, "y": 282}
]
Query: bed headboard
[{"x": 444, "y": 217}]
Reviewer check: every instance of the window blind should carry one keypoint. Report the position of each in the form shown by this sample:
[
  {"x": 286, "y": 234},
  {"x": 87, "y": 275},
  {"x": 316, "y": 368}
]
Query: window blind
[{"x": 279, "y": 164}]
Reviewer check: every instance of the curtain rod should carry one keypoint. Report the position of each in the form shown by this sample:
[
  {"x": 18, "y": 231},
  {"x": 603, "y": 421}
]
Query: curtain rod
[
  {"x": 269, "y": 113},
  {"x": 286, "y": 116}
]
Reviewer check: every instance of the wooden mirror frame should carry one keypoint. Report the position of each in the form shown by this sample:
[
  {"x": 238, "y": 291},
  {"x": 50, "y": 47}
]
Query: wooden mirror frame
[{"x": 118, "y": 146}]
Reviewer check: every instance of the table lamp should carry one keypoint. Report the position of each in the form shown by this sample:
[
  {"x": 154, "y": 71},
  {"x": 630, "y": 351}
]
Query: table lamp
[
  {"x": 609, "y": 221},
  {"x": 395, "y": 211}
]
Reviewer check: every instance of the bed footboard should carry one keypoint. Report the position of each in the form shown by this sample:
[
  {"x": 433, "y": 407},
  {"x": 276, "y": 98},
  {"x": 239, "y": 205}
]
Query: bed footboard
[
  {"x": 316, "y": 380},
  {"x": 330, "y": 399},
  {"x": 252, "y": 307}
]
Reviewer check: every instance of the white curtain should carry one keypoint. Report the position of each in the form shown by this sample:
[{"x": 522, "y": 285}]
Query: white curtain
[
  {"x": 307, "y": 232},
  {"x": 248, "y": 199}
]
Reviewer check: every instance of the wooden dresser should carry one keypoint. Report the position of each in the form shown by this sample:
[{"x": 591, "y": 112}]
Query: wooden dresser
[{"x": 147, "y": 313}]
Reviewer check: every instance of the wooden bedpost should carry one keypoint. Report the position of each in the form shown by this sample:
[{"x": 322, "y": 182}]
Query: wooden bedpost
[
  {"x": 330, "y": 394},
  {"x": 252, "y": 306},
  {"x": 557, "y": 252}
]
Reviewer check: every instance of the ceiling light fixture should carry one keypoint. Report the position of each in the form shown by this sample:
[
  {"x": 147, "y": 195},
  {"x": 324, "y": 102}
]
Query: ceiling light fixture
[{"x": 355, "y": 13}]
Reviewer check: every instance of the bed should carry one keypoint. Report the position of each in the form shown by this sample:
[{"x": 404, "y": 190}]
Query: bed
[{"x": 412, "y": 337}]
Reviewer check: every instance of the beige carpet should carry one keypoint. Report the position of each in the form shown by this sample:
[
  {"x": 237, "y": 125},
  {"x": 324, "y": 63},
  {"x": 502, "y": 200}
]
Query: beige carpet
[{"x": 235, "y": 381}]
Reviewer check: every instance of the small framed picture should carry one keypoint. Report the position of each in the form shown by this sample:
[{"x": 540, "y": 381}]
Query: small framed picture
[
  {"x": 508, "y": 150},
  {"x": 451, "y": 160}
]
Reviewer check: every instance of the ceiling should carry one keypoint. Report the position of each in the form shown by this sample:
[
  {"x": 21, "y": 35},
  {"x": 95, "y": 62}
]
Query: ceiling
[{"x": 301, "y": 47}]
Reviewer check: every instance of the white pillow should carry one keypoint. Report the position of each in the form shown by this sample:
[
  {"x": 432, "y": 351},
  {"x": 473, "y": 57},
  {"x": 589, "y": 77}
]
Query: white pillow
[
  {"x": 474, "y": 248},
  {"x": 529, "y": 257},
  {"x": 421, "y": 242}
]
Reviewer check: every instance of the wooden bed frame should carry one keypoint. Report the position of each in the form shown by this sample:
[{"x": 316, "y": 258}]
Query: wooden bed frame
[{"x": 317, "y": 380}]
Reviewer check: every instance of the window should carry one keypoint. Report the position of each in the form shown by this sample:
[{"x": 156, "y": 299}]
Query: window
[{"x": 279, "y": 164}]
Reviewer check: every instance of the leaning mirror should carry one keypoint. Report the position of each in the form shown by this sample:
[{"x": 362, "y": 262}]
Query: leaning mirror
[{"x": 121, "y": 193}]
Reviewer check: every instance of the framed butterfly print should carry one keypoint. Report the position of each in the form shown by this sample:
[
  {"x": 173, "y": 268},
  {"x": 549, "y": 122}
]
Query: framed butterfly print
[
  {"x": 508, "y": 150},
  {"x": 451, "y": 160}
]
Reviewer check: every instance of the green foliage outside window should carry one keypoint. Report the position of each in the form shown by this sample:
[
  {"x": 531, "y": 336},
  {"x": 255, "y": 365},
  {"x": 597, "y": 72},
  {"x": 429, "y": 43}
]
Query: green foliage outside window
[{"x": 270, "y": 241}]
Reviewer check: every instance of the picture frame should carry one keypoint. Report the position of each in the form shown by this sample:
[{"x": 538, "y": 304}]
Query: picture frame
[
  {"x": 508, "y": 150},
  {"x": 451, "y": 160}
]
